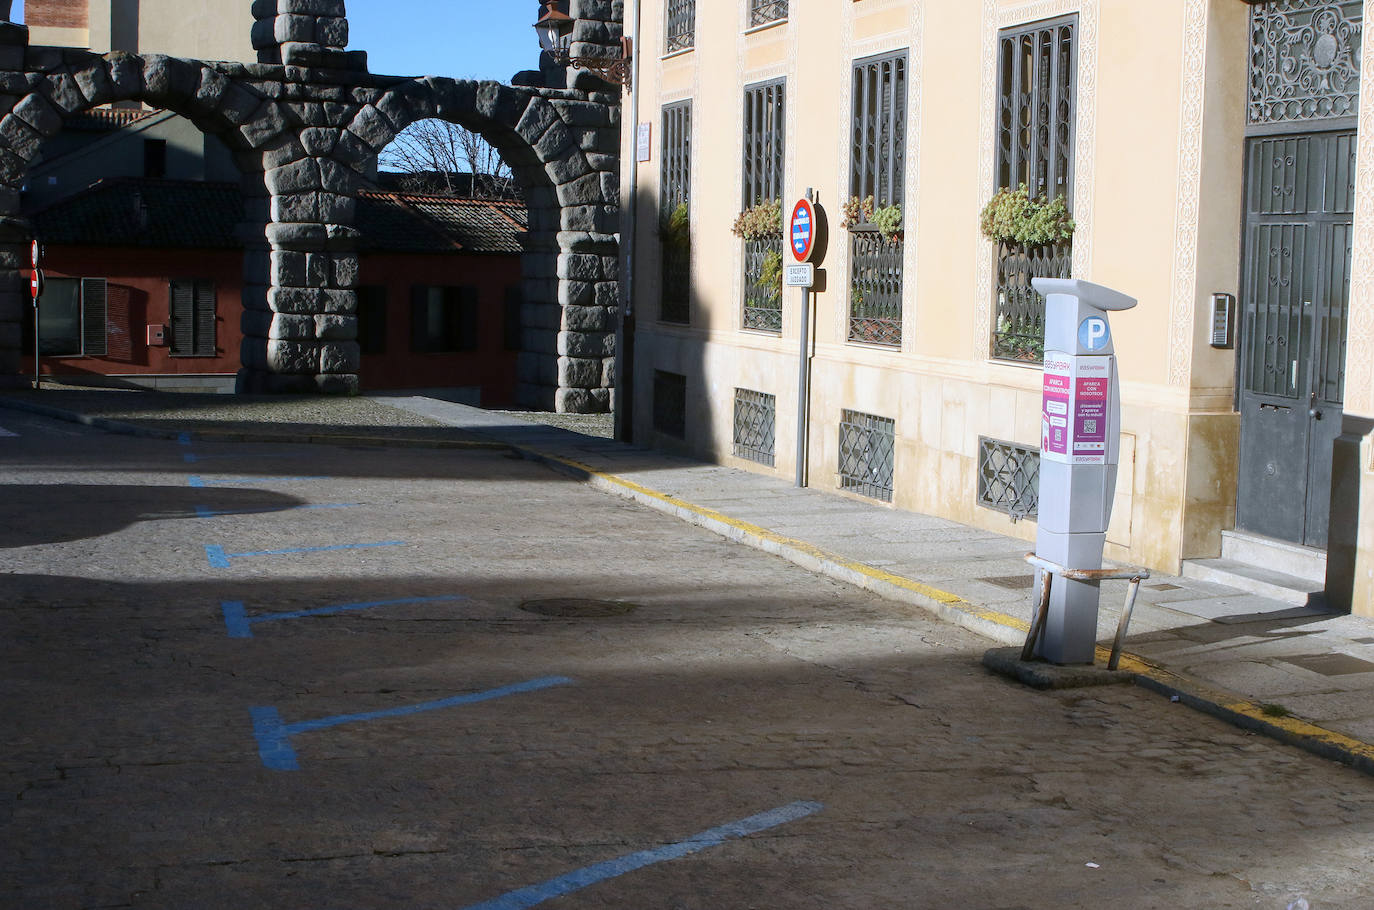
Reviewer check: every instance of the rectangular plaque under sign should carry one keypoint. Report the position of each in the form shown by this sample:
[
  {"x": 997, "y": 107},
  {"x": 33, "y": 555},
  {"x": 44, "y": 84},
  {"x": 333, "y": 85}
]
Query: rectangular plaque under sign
[{"x": 800, "y": 275}]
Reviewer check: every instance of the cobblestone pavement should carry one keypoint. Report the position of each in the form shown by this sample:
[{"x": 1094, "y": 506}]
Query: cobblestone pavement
[{"x": 153, "y": 595}]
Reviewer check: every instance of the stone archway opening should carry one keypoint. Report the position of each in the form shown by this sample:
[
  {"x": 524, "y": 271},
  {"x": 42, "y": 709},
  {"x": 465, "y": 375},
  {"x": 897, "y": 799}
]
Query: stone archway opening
[{"x": 306, "y": 123}]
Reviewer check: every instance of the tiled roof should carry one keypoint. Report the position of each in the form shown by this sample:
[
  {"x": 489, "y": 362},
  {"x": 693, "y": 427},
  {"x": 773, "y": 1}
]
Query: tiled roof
[
  {"x": 145, "y": 213},
  {"x": 185, "y": 214},
  {"x": 387, "y": 221}
]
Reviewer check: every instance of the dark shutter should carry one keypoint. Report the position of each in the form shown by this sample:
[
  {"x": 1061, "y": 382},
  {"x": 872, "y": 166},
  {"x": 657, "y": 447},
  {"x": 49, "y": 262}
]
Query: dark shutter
[
  {"x": 372, "y": 319},
  {"x": 205, "y": 318},
  {"x": 93, "y": 330},
  {"x": 183, "y": 317},
  {"x": 419, "y": 318}
]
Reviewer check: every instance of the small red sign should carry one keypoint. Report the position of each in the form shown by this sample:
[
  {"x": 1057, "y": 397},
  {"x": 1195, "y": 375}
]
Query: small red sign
[
  {"x": 36, "y": 283},
  {"x": 801, "y": 230}
]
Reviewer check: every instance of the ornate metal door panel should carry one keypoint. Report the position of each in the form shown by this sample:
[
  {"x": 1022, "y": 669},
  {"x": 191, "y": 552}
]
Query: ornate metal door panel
[{"x": 1296, "y": 296}]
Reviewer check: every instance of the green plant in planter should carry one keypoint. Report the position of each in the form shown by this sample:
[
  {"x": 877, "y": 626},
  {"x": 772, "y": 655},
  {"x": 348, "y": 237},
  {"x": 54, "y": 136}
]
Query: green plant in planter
[
  {"x": 759, "y": 222},
  {"x": 770, "y": 275},
  {"x": 862, "y": 212},
  {"x": 1012, "y": 217},
  {"x": 675, "y": 228}
]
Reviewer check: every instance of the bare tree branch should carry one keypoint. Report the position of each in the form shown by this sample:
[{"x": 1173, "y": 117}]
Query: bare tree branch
[{"x": 437, "y": 157}]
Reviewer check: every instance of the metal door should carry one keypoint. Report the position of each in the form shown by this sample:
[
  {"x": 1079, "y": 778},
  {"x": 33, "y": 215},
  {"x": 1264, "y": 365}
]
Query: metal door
[{"x": 1296, "y": 293}]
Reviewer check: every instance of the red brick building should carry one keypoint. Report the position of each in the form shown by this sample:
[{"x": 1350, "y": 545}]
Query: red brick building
[{"x": 144, "y": 280}]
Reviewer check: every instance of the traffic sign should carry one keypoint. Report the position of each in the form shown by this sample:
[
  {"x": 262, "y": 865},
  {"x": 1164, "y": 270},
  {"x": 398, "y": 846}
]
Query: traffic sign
[
  {"x": 800, "y": 275},
  {"x": 36, "y": 254},
  {"x": 36, "y": 283},
  {"x": 802, "y": 230}
]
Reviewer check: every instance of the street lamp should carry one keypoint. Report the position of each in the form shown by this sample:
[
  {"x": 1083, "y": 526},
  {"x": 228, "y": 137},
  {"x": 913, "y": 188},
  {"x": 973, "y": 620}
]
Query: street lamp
[
  {"x": 554, "y": 29},
  {"x": 555, "y": 36}
]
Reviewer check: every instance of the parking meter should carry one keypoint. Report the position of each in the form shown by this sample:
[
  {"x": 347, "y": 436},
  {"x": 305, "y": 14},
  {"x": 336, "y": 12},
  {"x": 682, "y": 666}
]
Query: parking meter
[{"x": 1080, "y": 425}]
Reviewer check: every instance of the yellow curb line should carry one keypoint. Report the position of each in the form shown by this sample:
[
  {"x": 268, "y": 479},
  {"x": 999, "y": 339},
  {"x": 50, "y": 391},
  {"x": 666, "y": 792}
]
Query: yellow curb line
[{"x": 1195, "y": 694}]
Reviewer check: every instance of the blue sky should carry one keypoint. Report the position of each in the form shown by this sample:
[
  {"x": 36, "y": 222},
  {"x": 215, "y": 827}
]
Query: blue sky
[{"x": 466, "y": 39}]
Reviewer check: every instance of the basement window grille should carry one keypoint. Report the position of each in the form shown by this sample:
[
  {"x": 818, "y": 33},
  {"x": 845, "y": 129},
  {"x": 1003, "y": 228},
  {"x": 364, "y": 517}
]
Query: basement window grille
[
  {"x": 867, "y": 454},
  {"x": 756, "y": 417},
  {"x": 1008, "y": 477}
]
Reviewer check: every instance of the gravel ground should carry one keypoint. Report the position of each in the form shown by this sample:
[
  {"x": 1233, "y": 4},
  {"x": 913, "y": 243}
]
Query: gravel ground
[{"x": 288, "y": 414}]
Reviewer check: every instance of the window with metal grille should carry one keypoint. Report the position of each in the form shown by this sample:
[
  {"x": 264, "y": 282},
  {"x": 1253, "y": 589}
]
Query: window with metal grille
[
  {"x": 193, "y": 317},
  {"x": 877, "y": 163},
  {"x": 681, "y": 18},
  {"x": 443, "y": 319},
  {"x": 1036, "y": 108},
  {"x": 762, "y": 12},
  {"x": 372, "y": 319},
  {"x": 1008, "y": 477},
  {"x": 756, "y": 417},
  {"x": 670, "y": 403},
  {"x": 675, "y": 193},
  {"x": 72, "y": 318},
  {"x": 867, "y": 454},
  {"x": 764, "y": 137},
  {"x": 1305, "y": 61}
]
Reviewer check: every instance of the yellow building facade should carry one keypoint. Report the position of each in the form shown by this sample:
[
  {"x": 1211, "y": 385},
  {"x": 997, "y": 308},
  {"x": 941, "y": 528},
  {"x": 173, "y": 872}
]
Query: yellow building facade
[{"x": 1203, "y": 147}]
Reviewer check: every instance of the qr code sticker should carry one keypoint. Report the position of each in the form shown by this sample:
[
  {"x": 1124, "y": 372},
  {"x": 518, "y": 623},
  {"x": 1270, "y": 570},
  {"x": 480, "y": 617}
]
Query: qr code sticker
[{"x": 1090, "y": 426}]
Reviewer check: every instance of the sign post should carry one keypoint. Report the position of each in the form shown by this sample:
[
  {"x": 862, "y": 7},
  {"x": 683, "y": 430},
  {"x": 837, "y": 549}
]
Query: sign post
[
  {"x": 36, "y": 284},
  {"x": 801, "y": 239},
  {"x": 1080, "y": 423}
]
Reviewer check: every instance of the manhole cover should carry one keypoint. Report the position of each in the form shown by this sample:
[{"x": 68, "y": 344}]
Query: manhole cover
[
  {"x": 1163, "y": 587},
  {"x": 577, "y": 607},
  {"x": 1012, "y": 582}
]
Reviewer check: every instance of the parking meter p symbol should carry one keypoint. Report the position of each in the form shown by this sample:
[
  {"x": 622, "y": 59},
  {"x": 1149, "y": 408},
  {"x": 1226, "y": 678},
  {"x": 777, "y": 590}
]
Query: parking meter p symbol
[{"x": 1093, "y": 333}]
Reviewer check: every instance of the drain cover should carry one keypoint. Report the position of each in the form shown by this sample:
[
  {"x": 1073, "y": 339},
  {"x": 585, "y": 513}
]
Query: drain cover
[
  {"x": 577, "y": 607},
  {"x": 1012, "y": 582}
]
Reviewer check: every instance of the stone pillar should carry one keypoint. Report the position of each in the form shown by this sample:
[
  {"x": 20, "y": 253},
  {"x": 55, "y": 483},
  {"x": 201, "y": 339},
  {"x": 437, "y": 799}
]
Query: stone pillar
[
  {"x": 15, "y": 233},
  {"x": 596, "y": 33},
  {"x": 304, "y": 33},
  {"x": 301, "y": 336}
]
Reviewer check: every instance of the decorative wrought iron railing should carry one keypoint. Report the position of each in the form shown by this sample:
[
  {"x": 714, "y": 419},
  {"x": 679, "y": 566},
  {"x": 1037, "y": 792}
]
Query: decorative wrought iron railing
[
  {"x": 762, "y": 12},
  {"x": 867, "y": 454},
  {"x": 875, "y": 287},
  {"x": 1008, "y": 477},
  {"x": 675, "y": 302},
  {"x": 682, "y": 24},
  {"x": 756, "y": 419},
  {"x": 763, "y": 284},
  {"x": 1019, "y": 331}
]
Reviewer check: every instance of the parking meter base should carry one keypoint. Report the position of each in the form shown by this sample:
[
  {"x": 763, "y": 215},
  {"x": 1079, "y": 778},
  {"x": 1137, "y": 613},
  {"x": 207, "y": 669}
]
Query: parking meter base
[{"x": 1071, "y": 624}]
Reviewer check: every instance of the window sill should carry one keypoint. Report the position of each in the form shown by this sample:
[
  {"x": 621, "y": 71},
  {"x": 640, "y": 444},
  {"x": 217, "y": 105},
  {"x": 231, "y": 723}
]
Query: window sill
[
  {"x": 755, "y": 29},
  {"x": 193, "y": 356},
  {"x": 673, "y": 55}
]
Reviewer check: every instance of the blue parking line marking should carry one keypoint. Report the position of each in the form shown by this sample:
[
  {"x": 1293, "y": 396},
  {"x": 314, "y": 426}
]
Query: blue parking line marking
[
  {"x": 207, "y": 512},
  {"x": 184, "y": 439},
  {"x": 220, "y": 559},
  {"x": 196, "y": 480},
  {"x": 276, "y": 752},
  {"x": 237, "y": 621},
  {"x": 597, "y": 872}
]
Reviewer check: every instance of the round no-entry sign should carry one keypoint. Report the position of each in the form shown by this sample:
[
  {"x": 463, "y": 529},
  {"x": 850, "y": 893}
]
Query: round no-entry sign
[{"x": 801, "y": 230}]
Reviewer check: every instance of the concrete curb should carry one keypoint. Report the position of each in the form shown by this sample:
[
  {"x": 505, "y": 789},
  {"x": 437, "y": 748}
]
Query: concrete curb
[{"x": 1000, "y": 627}]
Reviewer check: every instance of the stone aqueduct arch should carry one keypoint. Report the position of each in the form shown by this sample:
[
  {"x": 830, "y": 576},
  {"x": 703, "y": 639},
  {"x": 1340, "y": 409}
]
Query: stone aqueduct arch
[{"x": 305, "y": 124}]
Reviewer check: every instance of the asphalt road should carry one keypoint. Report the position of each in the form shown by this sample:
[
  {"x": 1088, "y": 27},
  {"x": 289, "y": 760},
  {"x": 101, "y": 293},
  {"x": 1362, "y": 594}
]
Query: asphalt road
[{"x": 250, "y": 675}]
